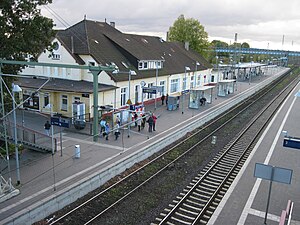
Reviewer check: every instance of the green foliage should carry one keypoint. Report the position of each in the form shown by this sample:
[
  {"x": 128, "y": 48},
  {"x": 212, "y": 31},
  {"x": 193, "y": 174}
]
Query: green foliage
[
  {"x": 189, "y": 30},
  {"x": 11, "y": 149},
  {"x": 23, "y": 30}
]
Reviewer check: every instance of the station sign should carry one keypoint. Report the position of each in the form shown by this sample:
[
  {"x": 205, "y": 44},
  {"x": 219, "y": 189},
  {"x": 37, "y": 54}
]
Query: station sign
[
  {"x": 149, "y": 90},
  {"x": 61, "y": 122},
  {"x": 291, "y": 142}
]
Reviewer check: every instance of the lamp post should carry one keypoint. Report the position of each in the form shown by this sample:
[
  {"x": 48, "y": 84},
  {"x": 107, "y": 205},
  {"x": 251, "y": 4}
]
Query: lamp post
[
  {"x": 156, "y": 76},
  {"x": 130, "y": 73},
  {"x": 195, "y": 74},
  {"x": 217, "y": 62},
  {"x": 250, "y": 74},
  {"x": 49, "y": 106},
  {"x": 16, "y": 89},
  {"x": 186, "y": 68}
]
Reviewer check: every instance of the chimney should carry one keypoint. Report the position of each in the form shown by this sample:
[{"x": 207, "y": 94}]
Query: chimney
[
  {"x": 113, "y": 24},
  {"x": 187, "y": 45}
]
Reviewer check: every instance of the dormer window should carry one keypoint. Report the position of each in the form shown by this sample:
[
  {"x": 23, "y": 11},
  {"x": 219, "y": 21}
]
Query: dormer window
[{"x": 151, "y": 64}]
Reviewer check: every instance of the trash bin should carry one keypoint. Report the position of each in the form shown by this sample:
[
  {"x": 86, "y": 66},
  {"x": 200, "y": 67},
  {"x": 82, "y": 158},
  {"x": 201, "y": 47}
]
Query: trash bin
[{"x": 77, "y": 151}]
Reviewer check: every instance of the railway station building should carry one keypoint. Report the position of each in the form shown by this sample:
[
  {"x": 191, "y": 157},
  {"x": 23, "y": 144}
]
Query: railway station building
[{"x": 140, "y": 61}]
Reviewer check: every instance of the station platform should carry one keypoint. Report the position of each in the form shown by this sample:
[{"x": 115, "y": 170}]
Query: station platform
[
  {"x": 246, "y": 200},
  {"x": 44, "y": 177}
]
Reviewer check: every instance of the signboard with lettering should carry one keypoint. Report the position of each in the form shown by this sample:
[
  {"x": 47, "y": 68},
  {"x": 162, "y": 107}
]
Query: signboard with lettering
[{"x": 61, "y": 122}]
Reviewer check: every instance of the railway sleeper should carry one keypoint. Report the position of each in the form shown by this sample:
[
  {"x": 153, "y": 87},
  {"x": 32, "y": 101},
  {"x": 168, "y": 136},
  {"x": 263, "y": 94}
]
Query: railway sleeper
[
  {"x": 179, "y": 220},
  {"x": 201, "y": 195},
  {"x": 185, "y": 216},
  {"x": 212, "y": 182},
  {"x": 216, "y": 170},
  {"x": 223, "y": 168},
  {"x": 204, "y": 191},
  {"x": 206, "y": 188},
  {"x": 225, "y": 163},
  {"x": 178, "y": 197},
  {"x": 217, "y": 175},
  {"x": 188, "y": 211},
  {"x": 195, "y": 203},
  {"x": 214, "y": 178},
  {"x": 200, "y": 200},
  {"x": 213, "y": 187},
  {"x": 191, "y": 207}
]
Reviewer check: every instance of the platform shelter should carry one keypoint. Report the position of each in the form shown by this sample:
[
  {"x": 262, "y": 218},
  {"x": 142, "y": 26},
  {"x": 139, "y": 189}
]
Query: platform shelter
[
  {"x": 226, "y": 87},
  {"x": 173, "y": 101},
  {"x": 198, "y": 93}
]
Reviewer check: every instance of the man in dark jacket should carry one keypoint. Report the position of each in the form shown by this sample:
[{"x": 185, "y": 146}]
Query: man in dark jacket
[{"x": 150, "y": 122}]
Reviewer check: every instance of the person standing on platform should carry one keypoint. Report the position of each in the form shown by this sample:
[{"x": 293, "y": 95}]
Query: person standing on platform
[
  {"x": 162, "y": 99},
  {"x": 118, "y": 121},
  {"x": 139, "y": 122},
  {"x": 102, "y": 126},
  {"x": 47, "y": 127},
  {"x": 154, "y": 121},
  {"x": 117, "y": 132},
  {"x": 150, "y": 123},
  {"x": 167, "y": 96},
  {"x": 135, "y": 116},
  {"x": 143, "y": 121},
  {"x": 106, "y": 132}
]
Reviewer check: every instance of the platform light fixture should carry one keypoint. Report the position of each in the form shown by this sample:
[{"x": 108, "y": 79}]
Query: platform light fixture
[
  {"x": 16, "y": 89},
  {"x": 186, "y": 68}
]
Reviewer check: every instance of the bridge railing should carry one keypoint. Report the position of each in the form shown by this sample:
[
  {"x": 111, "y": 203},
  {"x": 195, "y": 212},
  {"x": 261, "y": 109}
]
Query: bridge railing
[{"x": 33, "y": 139}]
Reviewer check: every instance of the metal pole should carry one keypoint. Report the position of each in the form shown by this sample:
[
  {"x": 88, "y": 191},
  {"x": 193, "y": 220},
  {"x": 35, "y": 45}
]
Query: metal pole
[
  {"x": 61, "y": 150},
  {"x": 4, "y": 127},
  {"x": 95, "y": 96},
  {"x": 183, "y": 88},
  {"x": 156, "y": 75},
  {"x": 16, "y": 141},
  {"x": 269, "y": 196},
  {"x": 129, "y": 78}
]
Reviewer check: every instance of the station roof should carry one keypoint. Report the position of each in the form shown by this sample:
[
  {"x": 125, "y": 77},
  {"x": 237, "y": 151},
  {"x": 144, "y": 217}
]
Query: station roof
[
  {"x": 202, "y": 88},
  {"x": 227, "y": 81}
]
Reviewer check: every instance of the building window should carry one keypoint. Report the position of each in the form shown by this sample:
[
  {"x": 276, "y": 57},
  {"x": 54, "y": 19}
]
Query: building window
[
  {"x": 76, "y": 99},
  {"x": 184, "y": 83},
  {"x": 192, "y": 82},
  {"x": 199, "y": 80},
  {"x": 147, "y": 65},
  {"x": 64, "y": 103},
  {"x": 174, "y": 85},
  {"x": 162, "y": 84},
  {"x": 150, "y": 85},
  {"x": 123, "y": 96},
  {"x": 46, "y": 99}
]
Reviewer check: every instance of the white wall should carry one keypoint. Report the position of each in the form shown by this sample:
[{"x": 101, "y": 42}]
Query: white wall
[{"x": 56, "y": 72}]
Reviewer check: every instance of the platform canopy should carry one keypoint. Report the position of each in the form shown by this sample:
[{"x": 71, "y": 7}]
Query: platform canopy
[
  {"x": 203, "y": 88},
  {"x": 227, "y": 81}
]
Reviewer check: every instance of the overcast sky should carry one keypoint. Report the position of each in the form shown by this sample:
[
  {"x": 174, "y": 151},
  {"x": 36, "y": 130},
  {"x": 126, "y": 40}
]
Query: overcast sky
[{"x": 261, "y": 23}]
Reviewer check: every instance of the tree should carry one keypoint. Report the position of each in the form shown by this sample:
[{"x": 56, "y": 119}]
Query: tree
[
  {"x": 189, "y": 30},
  {"x": 23, "y": 30}
]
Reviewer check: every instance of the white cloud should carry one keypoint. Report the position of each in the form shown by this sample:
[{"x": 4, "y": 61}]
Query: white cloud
[{"x": 258, "y": 22}]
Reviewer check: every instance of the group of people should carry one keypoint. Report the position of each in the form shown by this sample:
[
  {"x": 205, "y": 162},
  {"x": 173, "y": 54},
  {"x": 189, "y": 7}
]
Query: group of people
[{"x": 105, "y": 128}]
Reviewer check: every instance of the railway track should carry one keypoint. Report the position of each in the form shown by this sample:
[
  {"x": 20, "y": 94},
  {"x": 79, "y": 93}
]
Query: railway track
[
  {"x": 94, "y": 208},
  {"x": 198, "y": 201}
]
